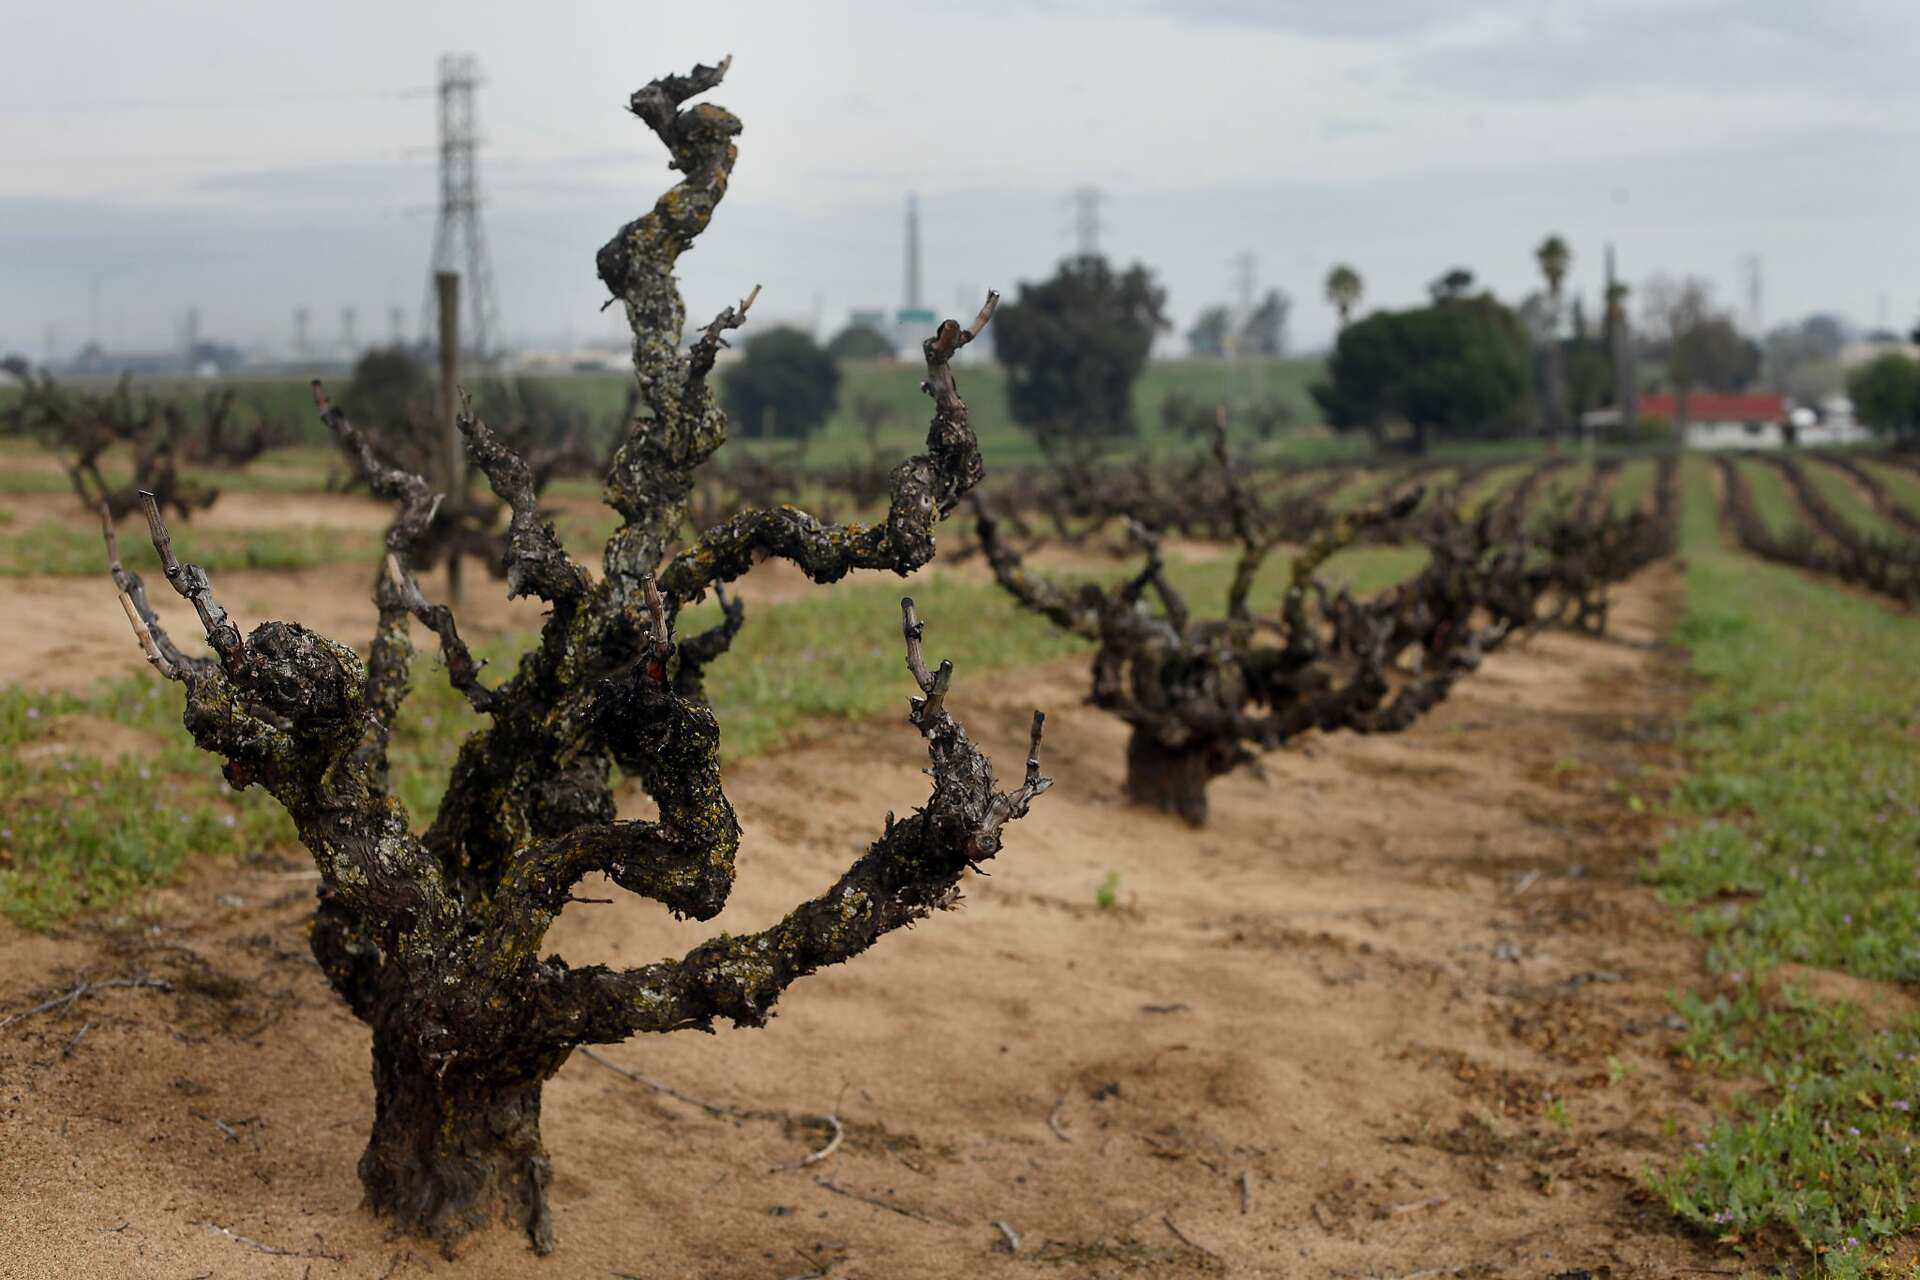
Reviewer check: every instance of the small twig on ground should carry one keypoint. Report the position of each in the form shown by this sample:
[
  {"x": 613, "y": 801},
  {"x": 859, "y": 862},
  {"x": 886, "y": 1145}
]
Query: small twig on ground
[
  {"x": 1183, "y": 1237},
  {"x": 86, "y": 989},
  {"x": 1246, "y": 1191},
  {"x": 1009, "y": 1237},
  {"x": 1526, "y": 882},
  {"x": 821, "y": 1270},
  {"x": 272, "y": 1250},
  {"x": 78, "y": 1036},
  {"x": 878, "y": 1202},
  {"x": 1165, "y": 1008},
  {"x": 715, "y": 1110},
  {"x": 1053, "y": 1120},
  {"x": 1415, "y": 1206},
  {"x": 833, "y": 1143}
]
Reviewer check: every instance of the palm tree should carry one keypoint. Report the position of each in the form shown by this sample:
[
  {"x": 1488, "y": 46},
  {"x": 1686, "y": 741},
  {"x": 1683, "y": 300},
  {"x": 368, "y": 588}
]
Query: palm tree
[
  {"x": 1343, "y": 291},
  {"x": 1554, "y": 258}
]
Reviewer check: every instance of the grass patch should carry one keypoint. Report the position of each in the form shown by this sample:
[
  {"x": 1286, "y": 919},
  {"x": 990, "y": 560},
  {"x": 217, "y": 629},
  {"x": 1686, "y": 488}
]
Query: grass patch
[
  {"x": 59, "y": 549},
  {"x": 1773, "y": 501},
  {"x": 1799, "y": 848},
  {"x": 1902, "y": 485},
  {"x": 1631, "y": 485},
  {"x": 1837, "y": 488},
  {"x": 1492, "y": 486},
  {"x": 84, "y": 830}
]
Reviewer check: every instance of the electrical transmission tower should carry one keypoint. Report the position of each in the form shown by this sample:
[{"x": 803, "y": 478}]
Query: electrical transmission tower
[{"x": 457, "y": 243}]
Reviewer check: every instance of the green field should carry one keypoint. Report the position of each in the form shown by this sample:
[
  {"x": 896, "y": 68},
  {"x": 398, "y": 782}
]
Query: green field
[{"x": 1796, "y": 845}]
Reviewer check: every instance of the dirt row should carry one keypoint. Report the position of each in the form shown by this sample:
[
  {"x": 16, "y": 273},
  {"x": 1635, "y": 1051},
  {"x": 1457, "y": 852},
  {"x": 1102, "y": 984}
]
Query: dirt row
[{"x": 1401, "y": 1009}]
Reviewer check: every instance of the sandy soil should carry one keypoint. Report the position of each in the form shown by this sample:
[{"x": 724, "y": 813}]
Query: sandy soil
[{"x": 1326, "y": 1036}]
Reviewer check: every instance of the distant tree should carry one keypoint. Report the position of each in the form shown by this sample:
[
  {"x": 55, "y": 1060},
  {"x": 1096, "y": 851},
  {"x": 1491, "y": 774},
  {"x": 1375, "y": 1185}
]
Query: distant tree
[
  {"x": 17, "y": 366},
  {"x": 1073, "y": 347},
  {"x": 1714, "y": 355},
  {"x": 1589, "y": 366},
  {"x": 1703, "y": 349},
  {"x": 1454, "y": 368},
  {"x": 1196, "y": 417},
  {"x": 1344, "y": 291},
  {"x": 1802, "y": 359},
  {"x": 1208, "y": 337},
  {"x": 1554, "y": 258},
  {"x": 1886, "y": 396},
  {"x": 783, "y": 386},
  {"x": 387, "y": 386},
  {"x": 860, "y": 342},
  {"x": 1457, "y": 283},
  {"x": 1265, "y": 332}
]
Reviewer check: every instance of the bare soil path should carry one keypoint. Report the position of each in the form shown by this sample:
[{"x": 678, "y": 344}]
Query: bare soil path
[{"x": 1398, "y": 1010}]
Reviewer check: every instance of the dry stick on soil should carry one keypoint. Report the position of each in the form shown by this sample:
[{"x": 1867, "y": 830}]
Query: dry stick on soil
[
  {"x": 1246, "y": 1191},
  {"x": 714, "y": 1109},
  {"x": 833, "y": 1143},
  {"x": 78, "y": 1036},
  {"x": 879, "y": 1202},
  {"x": 1053, "y": 1121},
  {"x": 1183, "y": 1237},
  {"x": 269, "y": 1249},
  {"x": 138, "y": 981},
  {"x": 1009, "y": 1237},
  {"x": 1416, "y": 1206},
  {"x": 434, "y": 937}
]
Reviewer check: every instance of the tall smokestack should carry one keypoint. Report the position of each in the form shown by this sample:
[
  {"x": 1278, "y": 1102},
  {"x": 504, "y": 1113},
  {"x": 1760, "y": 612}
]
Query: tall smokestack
[{"x": 913, "y": 252}]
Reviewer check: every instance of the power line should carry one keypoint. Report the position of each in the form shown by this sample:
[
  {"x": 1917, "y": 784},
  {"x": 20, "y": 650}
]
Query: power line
[{"x": 99, "y": 105}]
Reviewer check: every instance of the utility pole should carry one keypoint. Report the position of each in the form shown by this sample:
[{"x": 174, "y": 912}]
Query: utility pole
[
  {"x": 457, "y": 241},
  {"x": 396, "y": 327},
  {"x": 1086, "y": 221},
  {"x": 446, "y": 287}
]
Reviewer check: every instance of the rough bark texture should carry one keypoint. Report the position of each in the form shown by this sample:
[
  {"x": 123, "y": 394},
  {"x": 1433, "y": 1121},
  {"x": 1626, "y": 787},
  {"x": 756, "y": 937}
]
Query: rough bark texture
[
  {"x": 433, "y": 937},
  {"x": 1202, "y": 695}
]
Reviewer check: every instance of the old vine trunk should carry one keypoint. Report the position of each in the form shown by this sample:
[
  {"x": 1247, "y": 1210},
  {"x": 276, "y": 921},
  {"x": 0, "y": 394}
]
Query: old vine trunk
[{"x": 434, "y": 936}]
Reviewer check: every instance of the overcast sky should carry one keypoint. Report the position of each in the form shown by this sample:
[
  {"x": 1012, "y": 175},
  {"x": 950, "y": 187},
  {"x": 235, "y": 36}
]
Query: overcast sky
[{"x": 254, "y": 157}]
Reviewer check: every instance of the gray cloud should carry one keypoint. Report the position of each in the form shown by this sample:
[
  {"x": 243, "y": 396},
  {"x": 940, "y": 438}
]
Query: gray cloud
[
  {"x": 1369, "y": 20},
  {"x": 1839, "y": 49}
]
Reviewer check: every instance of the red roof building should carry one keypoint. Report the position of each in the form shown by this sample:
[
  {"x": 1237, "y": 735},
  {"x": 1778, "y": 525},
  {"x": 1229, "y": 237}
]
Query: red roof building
[{"x": 1707, "y": 406}]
